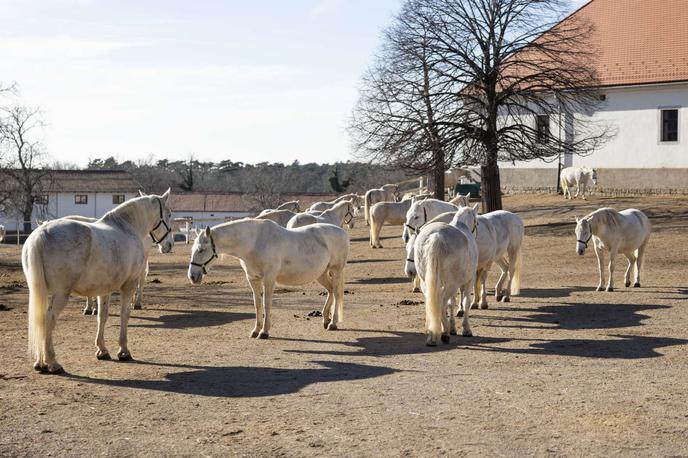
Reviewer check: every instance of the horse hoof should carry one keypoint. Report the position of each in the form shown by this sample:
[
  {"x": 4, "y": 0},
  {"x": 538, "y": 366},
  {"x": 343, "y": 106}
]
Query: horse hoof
[
  {"x": 326, "y": 323},
  {"x": 459, "y": 313},
  {"x": 453, "y": 332},
  {"x": 94, "y": 312},
  {"x": 263, "y": 335},
  {"x": 331, "y": 327},
  {"x": 483, "y": 306},
  {"x": 87, "y": 312},
  {"x": 636, "y": 285},
  {"x": 124, "y": 356},
  {"x": 506, "y": 299},
  {"x": 103, "y": 356},
  {"x": 600, "y": 288},
  {"x": 474, "y": 306},
  {"x": 467, "y": 334},
  {"x": 137, "y": 307},
  {"x": 610, "y": 289},
  {"x": 430, "y": 343},
  {"x": 445, "y": 338},
  {"x": 37, "y": 366},
  {"x": 415, "y": 290},
  {"x": 53, "y": 369},
  {"x": 627, "y": 284},
  {"x": 499, "y": 297},
  {"x": 254, "y": 334}
]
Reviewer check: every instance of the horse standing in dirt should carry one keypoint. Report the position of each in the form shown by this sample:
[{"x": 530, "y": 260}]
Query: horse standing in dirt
[
  {"x": 342, "y": 214},
  {"x": 2, "y": 233},
  {"x": 581, "y": 177},
  {"x": 422, "y": 211},
  {"x": 387, "y": 193},
  {"x": 392, "y": 213},
  {"x": 271, "y": 254},
  {"x": 90, "y": 259},
  {"x": 445, "y": 258},
  {"x": 499, "y": 236},
  {"x": 626, "y": 232},
  {"x": 355, "y": 200}
]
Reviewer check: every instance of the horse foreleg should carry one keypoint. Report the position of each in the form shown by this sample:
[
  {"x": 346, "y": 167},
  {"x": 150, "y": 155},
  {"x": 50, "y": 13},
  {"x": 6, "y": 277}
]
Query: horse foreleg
[
  {"x": 476, "y": 289},
  {"x": 577, "y": 190},
  {"x": 338, "y": 313},
  {"x": 600, "y": 267},
  {"x": 483, "y": 290},
  {"x": 257, "y": 289},
  {"x": 466, "y": 292},
  {"x": 585, "y": 189},
  {"x": 123, "y": 354},
  {"x": 139, "y": 289},
  {"x": 612, "y": 260},
  {"x": 452, "y": 314},
  {"x": 103, "y": 309},
  {"x": 268, "y": 288}
]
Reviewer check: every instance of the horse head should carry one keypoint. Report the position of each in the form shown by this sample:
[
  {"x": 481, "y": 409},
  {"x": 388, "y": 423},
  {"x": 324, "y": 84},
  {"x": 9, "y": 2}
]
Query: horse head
[{"x": 583, "y": 234}]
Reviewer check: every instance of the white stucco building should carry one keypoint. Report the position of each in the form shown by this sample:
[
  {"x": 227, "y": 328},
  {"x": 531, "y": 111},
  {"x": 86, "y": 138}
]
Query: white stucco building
[
  {"x": 643, "y": 70},
  {"x": 89, "y": 193}
]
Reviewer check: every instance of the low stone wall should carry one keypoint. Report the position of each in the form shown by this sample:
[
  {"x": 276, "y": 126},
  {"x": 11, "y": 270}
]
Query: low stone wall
[{"x": 612, "y": 182}]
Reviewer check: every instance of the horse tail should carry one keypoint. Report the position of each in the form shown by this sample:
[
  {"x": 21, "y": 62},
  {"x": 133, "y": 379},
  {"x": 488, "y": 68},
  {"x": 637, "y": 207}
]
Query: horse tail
[
  {"x": 366, "y": 207},
  {"x": 562, "y": 183},
  {"x": 433, "y": 287},
  {"x": 32, "y": 264},
  {"x": 518, "y": 265}
]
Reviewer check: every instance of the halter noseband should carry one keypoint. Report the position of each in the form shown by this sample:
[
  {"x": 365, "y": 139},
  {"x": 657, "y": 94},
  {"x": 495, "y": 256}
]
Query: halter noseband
[
  {"x": 210, "y": 259},
  {"x": 160, "y": 223},
  {"x": 410, "y": 260},
  {"x": 585, "y": 242}
]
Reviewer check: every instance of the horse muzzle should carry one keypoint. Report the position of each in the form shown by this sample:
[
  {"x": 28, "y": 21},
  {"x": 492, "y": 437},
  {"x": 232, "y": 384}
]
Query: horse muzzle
[
  {"x": 165, "y": 247},
  {"x": 195, "y": 276}
]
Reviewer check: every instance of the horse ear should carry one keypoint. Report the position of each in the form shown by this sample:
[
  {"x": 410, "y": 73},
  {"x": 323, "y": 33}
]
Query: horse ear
[
  {"x": 141, "y": 193},
  {"x": 577, "y": 219},
  {"x": 166, "y": 195},
  {"x": 468, "y": 195},
  {"x": 475, "y": 207},
  {"x": 207, "y": 231}
]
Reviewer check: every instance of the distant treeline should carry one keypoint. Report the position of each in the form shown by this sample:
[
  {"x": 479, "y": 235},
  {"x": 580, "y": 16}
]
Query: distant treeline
[{"x": 263, "y": 178}]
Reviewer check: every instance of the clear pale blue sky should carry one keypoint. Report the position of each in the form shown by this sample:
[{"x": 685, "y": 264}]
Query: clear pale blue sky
[{"x": 251, "y": 81}]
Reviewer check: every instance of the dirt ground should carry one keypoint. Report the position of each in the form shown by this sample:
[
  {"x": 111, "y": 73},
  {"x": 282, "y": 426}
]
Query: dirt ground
[{"x": 561, "y": 370}]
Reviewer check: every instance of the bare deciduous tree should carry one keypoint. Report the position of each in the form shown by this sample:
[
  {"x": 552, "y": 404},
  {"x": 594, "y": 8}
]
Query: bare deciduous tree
[
  {"x": 23, "y": 168},
  {"x": 508, "y": 74}
]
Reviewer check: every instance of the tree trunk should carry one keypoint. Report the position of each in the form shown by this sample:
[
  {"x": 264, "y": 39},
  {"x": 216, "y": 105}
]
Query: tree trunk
[
  {"x": 490, "y": 188},
  {"x": 438, "y": 178},
  {"x": 26, "y": 214}
]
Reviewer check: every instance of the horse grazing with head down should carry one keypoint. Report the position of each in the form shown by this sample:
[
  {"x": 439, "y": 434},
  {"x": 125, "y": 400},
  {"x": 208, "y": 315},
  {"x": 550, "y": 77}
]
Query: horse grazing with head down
[
  {"x": 271, "y": 254},
  {"x": 626, "y": 232},
  {"x": 581, "y": 177},
  {"x": 90, "y": 259}
]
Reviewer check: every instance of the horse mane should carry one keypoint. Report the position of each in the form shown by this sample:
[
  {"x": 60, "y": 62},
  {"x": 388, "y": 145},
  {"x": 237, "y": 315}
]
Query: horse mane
[
  {"x": 607, "y": 216},
  {"x": 128, "y": 213}
]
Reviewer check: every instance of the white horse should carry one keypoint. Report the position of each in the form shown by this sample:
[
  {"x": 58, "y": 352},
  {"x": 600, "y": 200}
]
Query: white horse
[
  {"x": 445, "y": 258},
  {"x": 271, "y": 254},
  {"x": 342, "y": 214},
  {"x": 626, "y": 232},
  {"x": 2, "y": 233},
  {"x": 354, "y": 198},
  {"x": 280, "y": 217},
  {"x": 581, "y": 177},
  {"x": 422, "y": 211},
  {"x": 392, "y": 213},
  {"x": 292, "y": 205},
  {"x": 90, "y": 259},
  {"x": 387, "y": 193},
  {"x": 461, "y": 201}
]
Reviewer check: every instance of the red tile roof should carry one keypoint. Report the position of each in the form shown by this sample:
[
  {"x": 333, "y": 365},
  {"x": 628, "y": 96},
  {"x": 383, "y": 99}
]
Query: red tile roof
[{"x": 640, "y": 41}]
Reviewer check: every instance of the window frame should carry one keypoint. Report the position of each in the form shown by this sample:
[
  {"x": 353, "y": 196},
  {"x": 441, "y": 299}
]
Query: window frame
[
  {"x": 543, "y": 138},
  {"x": 77, "y": 200},
  {"x": 43, "y": 199},
  {"x": 118, "y": 197},
  {"x": 660, "y": 127}
]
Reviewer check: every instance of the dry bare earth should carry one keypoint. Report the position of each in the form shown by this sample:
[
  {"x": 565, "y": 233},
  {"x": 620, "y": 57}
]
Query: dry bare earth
[{"x": 562, "y": 370}]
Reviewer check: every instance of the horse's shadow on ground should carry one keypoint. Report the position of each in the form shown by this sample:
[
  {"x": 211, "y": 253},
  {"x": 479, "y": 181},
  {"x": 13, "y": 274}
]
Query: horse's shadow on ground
[
  {"x": 185, "y": 319},
  {"x": 573, "y": 315},
  {"x": 381, "y": 281},
  {"x": 243, "y": 382}
]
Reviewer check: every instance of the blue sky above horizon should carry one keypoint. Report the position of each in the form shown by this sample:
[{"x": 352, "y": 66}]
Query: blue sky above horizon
[{"x": 258, "y": 81}]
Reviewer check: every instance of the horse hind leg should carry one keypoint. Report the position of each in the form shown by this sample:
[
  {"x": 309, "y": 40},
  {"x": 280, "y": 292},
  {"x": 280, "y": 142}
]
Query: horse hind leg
[
  {"x": 640, "y": 258},
  {"x": 50, "y": 364},
  {"x": 102, "y": 352},
  {"x": 499, "y": 288},
  {"x": 91, "y": 306},
  {"x": 257, "y": 289},
  {"x": 338, "y": 313},
  {"x": 326, "y": 282},
  {"x": 631, "y": 263},
  {"x": 268, "y": 289}
]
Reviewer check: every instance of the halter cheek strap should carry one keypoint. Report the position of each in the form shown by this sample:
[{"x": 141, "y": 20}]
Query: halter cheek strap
[
  {"x": 210, "y": 259},
  {"x": 348, "y": 215},
  {"x": 411, "y": 261},
  {"x": 160, "y": 223}
]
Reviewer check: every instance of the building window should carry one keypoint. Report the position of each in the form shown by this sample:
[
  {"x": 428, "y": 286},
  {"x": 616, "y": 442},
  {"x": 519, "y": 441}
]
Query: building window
[
  {"x": 117, "y": 199},
  {"x": 81, "y": 199},
  {"x": 542, "y": 128},
  {"x": 669, "y": 125},
  {"x": 42, "y": 199}
]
